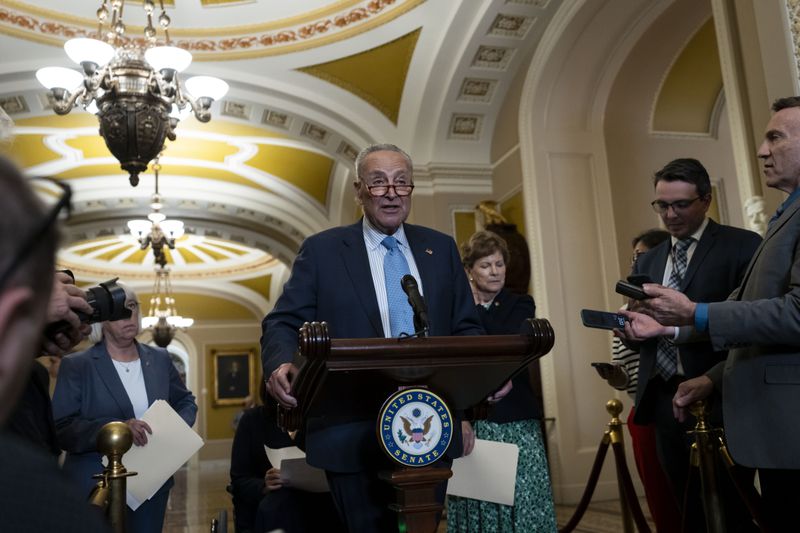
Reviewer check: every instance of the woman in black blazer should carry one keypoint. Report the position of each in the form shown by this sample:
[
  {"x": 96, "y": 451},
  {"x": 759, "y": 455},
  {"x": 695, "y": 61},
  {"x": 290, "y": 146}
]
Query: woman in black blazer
[{"x": 515, "y": 419}]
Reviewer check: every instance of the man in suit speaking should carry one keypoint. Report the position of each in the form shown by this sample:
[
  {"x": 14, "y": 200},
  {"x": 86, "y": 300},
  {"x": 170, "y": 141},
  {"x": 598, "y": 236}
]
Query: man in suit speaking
[
  {"x": 760, "y": 325},
  {"x": 350, "y": 277},
  {"x": 706, "y": 261}
]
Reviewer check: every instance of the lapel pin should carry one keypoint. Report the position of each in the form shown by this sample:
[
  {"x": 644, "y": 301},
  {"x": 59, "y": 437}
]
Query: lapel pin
[{"x": 428, "y": 251}]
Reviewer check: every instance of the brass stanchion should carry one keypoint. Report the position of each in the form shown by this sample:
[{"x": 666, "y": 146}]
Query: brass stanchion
[
  {"x": 708, "y": 443},
  {"x": 113, "y": 440},
  {"x": 614, "y": 433},
  {"x": 703, "y": 456},
  {"x": 629, "y": 503}
]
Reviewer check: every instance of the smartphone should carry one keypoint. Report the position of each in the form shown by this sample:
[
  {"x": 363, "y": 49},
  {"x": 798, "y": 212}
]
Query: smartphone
[
  {"x": 630, "y": 290},
  {"x": 639, "y": 279},
  {"x": 602, "y": 319},
  {"x": 603, "y": 369}
]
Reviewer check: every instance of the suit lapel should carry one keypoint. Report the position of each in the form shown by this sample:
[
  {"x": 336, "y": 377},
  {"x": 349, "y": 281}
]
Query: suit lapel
[
  {"x": 424, "y": 257},
  {"x": 108, "y": 374},
  {"x": 356, "y": 262},
  {"x": 659, "y": 265},
  {"x": 771, "y": 231},
  {"x": 149, "y": 373},
  {"x": 703, "y": 246}
]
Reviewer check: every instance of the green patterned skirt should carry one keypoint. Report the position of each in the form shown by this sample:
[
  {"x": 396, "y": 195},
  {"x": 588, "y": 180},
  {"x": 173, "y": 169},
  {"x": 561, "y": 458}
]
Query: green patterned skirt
[{"x": 533, "y": 497}]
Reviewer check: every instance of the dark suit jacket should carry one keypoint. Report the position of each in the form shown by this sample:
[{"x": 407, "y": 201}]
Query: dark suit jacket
[
  {"x": 331, "y": 281},
  {"x": 505, "y": 317},
  {"x": 715, "y": 270},
  {"x": 89, "y": 394},
  {"x": 36, "y": 496},
  {"x": 760, "y": 325},
  {"x": 32, "y": 418}
]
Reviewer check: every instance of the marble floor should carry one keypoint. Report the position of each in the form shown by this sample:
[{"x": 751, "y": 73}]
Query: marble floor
[{"x": 199, "y": 495}]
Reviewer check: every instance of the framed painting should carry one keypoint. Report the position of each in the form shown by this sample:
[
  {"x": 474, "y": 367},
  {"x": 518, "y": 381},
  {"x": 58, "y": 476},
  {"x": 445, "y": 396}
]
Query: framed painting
[{"x": 234, "y": 376}]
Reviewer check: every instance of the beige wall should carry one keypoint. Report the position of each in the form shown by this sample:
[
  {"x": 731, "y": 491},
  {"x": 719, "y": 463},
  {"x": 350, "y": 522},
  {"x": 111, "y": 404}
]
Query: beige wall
[{"x": 214, "y": 423}]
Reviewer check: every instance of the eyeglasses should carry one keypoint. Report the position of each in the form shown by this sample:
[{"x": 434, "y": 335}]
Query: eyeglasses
[
  {"x": 661, "y": 207},
  {"x": 29, "y": 244},
  {"x": 383, "y": 190}
]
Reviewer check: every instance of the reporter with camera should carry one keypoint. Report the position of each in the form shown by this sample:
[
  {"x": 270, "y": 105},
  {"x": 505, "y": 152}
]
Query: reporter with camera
[
  {"x": 27, "y": 253},
  {"x": 32, "y": 418},
  {"x": 117, "y": 379}
]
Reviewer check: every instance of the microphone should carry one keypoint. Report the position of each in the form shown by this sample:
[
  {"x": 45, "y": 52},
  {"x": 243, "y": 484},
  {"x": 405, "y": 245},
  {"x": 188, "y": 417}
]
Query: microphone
[{"x": 417, "y": 303}]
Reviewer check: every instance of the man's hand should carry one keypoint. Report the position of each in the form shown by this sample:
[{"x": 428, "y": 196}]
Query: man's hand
[
  {"x": 279, "y": 385},
  {"x": 668, "y": 306},
  {"x": 468, "y": 436},
  {"x": 614, "y": 374},
  {"x": 500, "y": 393},
  {"x": 690, "y": 391},
  {"x": 272, "y": 480},
  {"x": 65, "y": 299},
  {"x": 140, "y": 429},
  {"x": 640, "y": 327}
]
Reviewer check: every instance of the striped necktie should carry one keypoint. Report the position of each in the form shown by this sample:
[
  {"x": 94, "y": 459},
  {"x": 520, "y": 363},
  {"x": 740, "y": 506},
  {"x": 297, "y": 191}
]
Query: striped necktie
[{"x": 667, "y": 353}]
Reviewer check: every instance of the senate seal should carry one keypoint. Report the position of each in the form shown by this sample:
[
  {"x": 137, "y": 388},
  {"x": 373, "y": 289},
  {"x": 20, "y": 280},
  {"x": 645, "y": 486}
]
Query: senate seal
[{"x": 415, "y": 427}]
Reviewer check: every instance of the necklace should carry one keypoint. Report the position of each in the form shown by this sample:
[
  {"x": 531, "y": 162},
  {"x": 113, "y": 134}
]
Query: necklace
[{"x": 126, "y": 366}]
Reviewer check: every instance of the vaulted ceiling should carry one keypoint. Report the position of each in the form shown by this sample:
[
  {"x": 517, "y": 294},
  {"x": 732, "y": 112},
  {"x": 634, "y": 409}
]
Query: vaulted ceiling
[{"x": 312, "y": 82}]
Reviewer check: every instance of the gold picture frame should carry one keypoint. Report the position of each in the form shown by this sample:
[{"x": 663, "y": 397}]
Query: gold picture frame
[{"x": 234, "y": 376}]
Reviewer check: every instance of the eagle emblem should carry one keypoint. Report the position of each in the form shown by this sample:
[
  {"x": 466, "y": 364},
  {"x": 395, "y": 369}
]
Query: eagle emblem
[
  {"x": 415, "y": 433},
  {"x": 415, "y": 427}
]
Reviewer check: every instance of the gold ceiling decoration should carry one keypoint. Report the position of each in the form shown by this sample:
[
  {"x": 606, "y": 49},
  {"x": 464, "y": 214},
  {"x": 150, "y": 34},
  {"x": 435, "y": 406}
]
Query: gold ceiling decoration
[
  {"x": 194, "y": 257},
  {"x": 319, "y": 27},
  {"x": 307, "y": 170},
  {"x": 206, "y": 308},
  {"x": 377, "y": 75}
]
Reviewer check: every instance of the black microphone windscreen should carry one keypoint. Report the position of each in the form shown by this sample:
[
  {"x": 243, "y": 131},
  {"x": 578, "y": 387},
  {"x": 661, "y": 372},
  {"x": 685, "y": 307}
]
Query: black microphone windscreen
[{"x": 408, "y": 282}]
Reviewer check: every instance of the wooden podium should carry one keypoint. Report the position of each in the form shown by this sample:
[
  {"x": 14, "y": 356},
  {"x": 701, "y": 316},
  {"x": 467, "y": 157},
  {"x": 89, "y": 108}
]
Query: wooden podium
[{"x": 462, "y": 370}]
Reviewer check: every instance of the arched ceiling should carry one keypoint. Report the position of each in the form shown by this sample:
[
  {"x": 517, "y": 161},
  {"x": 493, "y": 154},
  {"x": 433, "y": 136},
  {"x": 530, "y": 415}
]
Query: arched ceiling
[{"x": 312, "y": 82}]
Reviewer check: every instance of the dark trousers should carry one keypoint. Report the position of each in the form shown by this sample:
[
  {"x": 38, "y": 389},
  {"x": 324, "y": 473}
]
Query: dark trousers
[
  {"x": 149, "y": 517},
  {"x": 363, "y": 499},
  {"x": 297, "y": 511},
  {"x": 673, "y": 445},
  {"x": 657, "y": 488}
]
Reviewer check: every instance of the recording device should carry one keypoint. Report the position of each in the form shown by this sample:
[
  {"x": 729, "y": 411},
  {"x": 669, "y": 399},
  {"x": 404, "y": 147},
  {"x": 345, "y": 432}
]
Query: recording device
[
  {"x": 603, "y": 368},
  {"x": 108, "y": 304},
  {"x": 417, "y": 303},
  {"x": 602, "y": 319},
  {"x": 630, "y": 290}
]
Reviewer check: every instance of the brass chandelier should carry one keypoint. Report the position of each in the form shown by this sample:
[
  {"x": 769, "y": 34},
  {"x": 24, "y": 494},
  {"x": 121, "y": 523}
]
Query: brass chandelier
[
  {"x": 162, "y": 316},
  {"x": 132, "y": 85},
  {"x": 156, "y": 231}
]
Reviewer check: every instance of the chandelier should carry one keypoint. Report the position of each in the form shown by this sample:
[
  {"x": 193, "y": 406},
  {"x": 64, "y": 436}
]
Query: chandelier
[
  {"x": 156, "y": 231},
  {"x": 132, "y": 85},
  {"x": 162, "y": 317}
]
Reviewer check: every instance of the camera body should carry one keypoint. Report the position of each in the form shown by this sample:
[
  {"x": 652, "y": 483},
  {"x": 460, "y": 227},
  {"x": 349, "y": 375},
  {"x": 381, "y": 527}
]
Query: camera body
[
  {"x": 108, "y": 304},
  {"x": 107, "y": 301}
]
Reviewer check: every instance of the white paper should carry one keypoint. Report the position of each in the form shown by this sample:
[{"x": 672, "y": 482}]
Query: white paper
[
  {"x": 171, "y": 444},
  {"x": 489, "y": 473},
  {"x": 295, "y": 471}
]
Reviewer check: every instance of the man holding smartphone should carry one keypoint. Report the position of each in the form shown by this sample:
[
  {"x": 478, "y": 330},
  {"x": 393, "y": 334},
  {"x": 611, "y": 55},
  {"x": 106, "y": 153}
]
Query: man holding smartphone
[
  {"x": 706, "y": 261},
  {"x": 760, "y": 324}
]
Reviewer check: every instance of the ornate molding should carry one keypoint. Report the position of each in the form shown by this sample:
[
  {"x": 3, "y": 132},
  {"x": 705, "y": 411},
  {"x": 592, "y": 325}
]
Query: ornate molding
[
  {"x": 237, "y": 42},
  {"x": 793, "y": 12}
]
